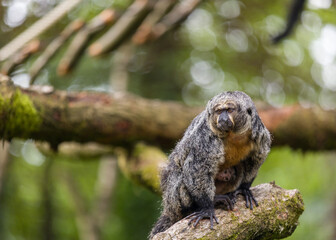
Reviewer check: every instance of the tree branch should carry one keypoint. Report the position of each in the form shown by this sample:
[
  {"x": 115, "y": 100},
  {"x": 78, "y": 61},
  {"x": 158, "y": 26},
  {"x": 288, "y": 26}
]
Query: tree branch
[
  {"x": 20, "y": 56},
  {"x": 38, "y": 28},
  {"x": 124, "y": 119},
  {"x": 78, "y": 44},
  {"x": 179, "y": 13},
  {"x": 52, "y": 48},
  {"x": 105, "y": 184},
  {"x": 85, "y": 223},
  {"x": 143, "y": 33},
  {"x": 276, "y": 217},
  {"x": 121, "y": 28},
  {"x": 4, "y": 161}
]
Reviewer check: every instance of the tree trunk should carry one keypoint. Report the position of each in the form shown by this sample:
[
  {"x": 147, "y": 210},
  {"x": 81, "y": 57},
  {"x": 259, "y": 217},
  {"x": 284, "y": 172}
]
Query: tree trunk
[{"x": 123, "y": 119}]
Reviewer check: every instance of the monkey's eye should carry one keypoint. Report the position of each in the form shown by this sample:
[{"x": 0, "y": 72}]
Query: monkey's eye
[
  {"x": 230, "y": 110},
  {"x": 219, "y": 111}
]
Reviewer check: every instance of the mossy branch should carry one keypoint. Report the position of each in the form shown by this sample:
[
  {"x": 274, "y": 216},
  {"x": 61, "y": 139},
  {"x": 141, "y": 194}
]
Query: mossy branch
[
  {"x": 143, "y": 165},
  {"x": 124, "y": 119},
  {"x": 275, "y": 218}
]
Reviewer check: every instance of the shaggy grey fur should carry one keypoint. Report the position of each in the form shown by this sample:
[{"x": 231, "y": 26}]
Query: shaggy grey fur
[{"x": 199, "y": 167}]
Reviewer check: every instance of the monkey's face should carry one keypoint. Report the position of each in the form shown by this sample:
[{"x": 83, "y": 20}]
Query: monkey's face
[
  {"x": 223, "y": 118},
  {"x": 230, "y": 113}
]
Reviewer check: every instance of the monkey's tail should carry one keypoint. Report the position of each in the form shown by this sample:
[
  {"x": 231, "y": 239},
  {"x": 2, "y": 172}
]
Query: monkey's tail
[{"x": 162, "y": 224}]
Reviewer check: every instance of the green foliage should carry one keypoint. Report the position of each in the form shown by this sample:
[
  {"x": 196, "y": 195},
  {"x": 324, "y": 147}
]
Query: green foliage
[
  {"x": 22, "y": 204},
  {"x": 135, "y": 211},
  {"x": 223, "y": 45}
]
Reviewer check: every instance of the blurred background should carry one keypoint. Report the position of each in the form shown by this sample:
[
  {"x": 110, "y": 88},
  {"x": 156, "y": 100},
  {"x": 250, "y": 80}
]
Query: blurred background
[{"x": 222, "y": 45}]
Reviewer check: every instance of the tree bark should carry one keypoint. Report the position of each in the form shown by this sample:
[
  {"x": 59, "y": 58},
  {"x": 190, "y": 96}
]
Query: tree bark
[
  {"x": 275, "y": 218},
  {"x": 123, "y": 119}
]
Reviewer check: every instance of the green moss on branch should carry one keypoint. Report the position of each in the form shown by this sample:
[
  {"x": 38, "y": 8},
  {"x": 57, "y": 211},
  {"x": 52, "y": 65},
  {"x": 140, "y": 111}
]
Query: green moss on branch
[
  {"x": 142, "y": 166},
  {"x": 19, "y": 116}
]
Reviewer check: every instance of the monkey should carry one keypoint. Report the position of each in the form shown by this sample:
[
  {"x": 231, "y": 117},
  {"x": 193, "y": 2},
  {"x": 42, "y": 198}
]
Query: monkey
[
  {"x": 217, "y": 158},
  {"x": 294, "y": 14},
  {"x": 226, "y": 175}
]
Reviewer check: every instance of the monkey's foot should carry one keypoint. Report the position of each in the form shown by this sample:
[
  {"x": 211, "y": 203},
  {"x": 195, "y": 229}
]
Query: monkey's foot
[
  {"x": 203, "y": 214},
  {"x": 228, "y": 200},
  {"x": 249, "y": 198}
]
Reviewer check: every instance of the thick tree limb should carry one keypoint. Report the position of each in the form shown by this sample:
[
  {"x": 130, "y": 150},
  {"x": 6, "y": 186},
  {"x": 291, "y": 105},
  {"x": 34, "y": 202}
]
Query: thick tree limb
[
  {"x": 123, "y": 119},
  {"x": 276, "y": 217},
  {"x": 118, "y": 118}
]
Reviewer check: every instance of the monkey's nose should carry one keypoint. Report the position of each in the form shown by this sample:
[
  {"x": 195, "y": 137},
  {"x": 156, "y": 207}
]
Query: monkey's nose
[{"x": 225, "y": 125}]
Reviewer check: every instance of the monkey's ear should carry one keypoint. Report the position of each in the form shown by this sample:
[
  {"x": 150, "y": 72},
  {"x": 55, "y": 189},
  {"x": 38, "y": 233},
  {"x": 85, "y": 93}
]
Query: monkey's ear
[
  {"x": 257, "y": 126},
  {"x": 249, "y": 111}
]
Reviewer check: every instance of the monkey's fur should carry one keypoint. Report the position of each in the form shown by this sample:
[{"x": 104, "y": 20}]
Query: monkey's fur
[{"x": 219, "y": 154}]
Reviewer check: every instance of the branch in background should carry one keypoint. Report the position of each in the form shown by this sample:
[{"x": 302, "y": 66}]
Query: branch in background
[
  {"x": 20, "y": 57},
  {"x": 4, "y": 161},
  {"x": 174, "y": 17},
  {"x": 303, "y": 128},
  {"x": 38, "y": 28},
  {"x": 78, "y": 44},
  {"x": 150, "y": 29},
  {"x": 333, "y": 219},
  {"x": 275, "y": 218},
  {"x": 121, "y": 28},
  {"x": 123, "y": 119},
  {"x": 143, "y": 33},
  {"x": 294, "y": 15},
  {"x": 52, "y": 48},
  {"x": 107, "y": 174},
  {"x": 85, "y": 223},
  {"x": 73, "y": 150},
  {"x": 119, "y": 75},
  {"x": 48, "y": 214},
  {"x": 117, "y": 118},
  {"x": 142, "y": 165}
]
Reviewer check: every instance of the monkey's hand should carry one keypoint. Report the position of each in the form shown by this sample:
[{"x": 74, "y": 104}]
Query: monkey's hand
[
  {"x": 246, "y": 192},
  {"x": 202, "y": 214},
  {"x": 228, "y": 200}
]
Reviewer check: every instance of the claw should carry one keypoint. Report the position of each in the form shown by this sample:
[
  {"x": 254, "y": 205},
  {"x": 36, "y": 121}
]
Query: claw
[
  {"x": 191, "y": 215},
  {"x": 196, "y": 217},
  {"x": 227, "y": 199},
  {"x": 249, "y": 198},
  {"x": 211, "y": 220},
  {"x": 197, "y": 221}
]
